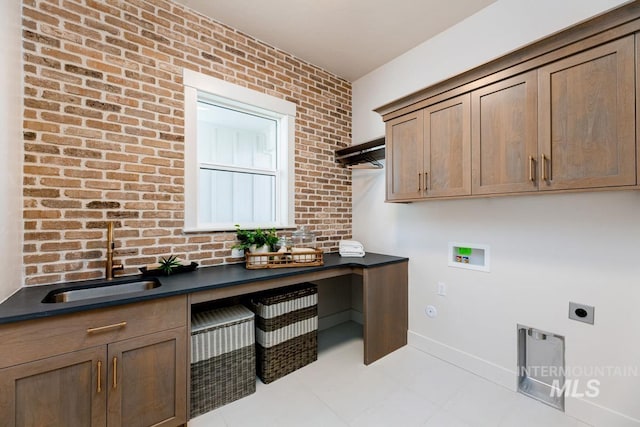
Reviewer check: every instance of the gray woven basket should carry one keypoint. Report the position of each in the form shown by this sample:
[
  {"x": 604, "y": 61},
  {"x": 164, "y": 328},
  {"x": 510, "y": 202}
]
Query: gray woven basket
[
  {"x": 223, "y": 379},
  {"x": 223, "y": 358}
]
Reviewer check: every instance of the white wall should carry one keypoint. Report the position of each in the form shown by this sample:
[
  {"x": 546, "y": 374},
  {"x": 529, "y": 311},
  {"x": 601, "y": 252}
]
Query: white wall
[
  {"x": 546, "y": 250},
  {"x": 499, "y": 28},
  {"x": 11, "y": 148}
]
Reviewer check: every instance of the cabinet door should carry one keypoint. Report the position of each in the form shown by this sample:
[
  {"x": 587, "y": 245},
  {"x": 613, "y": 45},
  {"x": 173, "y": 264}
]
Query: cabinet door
[
  {"x": 61, "y": 391},
  {"x": 447, "y": 153},
  {"x": 504, "y": 136},
  {"x": 586, "y": 119},
  {"x": 404, "y": 152},
  {"x": 147, "y": 380}
]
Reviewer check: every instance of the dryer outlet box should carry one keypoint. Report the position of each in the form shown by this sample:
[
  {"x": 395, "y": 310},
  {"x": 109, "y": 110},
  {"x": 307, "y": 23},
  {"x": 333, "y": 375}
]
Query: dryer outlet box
[{"x": 581, "y": 312}]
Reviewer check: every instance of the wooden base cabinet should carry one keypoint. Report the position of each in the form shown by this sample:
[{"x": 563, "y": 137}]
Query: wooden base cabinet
[
  {"x": 132, "y": 371},
  {"x": 65, "y": 390},
  {"x": 148, "y": 380}
]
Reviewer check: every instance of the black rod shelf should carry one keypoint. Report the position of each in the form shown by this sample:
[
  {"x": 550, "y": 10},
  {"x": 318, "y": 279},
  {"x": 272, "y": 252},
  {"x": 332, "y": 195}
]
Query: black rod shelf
[{"x": 368, "y": 152}]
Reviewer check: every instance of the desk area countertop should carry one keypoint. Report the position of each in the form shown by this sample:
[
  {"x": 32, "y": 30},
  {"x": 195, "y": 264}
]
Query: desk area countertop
[{"x": 27, "y": 303}]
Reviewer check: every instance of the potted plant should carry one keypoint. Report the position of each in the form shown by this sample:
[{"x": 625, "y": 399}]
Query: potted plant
[
  {"x": 168, "y": 265},
  {"x": 257, "y": 240}
]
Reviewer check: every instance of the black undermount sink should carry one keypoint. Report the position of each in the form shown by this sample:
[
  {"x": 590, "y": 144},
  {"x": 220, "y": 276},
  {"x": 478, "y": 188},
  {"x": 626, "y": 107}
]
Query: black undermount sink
[{"x": 103, "y": 289}]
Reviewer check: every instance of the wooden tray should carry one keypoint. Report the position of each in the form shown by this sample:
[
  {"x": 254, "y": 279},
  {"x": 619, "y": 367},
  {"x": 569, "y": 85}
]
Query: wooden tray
[{"x": 308, "y": 258}]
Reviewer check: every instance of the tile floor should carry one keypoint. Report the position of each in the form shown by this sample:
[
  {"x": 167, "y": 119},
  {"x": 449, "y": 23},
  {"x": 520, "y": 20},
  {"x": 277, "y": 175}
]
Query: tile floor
[{"x": 406, "y": 388}]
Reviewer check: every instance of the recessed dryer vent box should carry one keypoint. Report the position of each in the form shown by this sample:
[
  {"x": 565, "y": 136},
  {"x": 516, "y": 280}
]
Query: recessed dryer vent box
[{"x": 471, "y": 256}]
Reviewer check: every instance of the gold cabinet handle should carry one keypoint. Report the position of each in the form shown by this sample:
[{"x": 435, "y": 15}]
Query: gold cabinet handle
[
  {"x": 419, "y": 180},
  {"x": 426, "y": 174},
  {"x": 106, "y": 328},
  {"x": 115, "y": 372},
  {"x": 532, "y": 166},
  {"x": 544, "y": 168},
  {"x": 99, "y": 376}
]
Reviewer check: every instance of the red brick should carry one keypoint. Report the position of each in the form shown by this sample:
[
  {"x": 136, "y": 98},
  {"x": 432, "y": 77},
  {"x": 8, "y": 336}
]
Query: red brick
[{"x": 104, "y": 122}]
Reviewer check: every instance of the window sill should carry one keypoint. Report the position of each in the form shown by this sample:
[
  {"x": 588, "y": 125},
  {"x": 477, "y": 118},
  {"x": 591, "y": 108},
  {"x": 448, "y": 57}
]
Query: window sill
[{"x": 192, "y": 230}]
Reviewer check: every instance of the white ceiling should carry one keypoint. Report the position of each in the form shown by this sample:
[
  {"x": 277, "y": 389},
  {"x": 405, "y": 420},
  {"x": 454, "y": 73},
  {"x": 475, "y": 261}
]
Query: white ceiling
[{"x": 347, "y": 37}]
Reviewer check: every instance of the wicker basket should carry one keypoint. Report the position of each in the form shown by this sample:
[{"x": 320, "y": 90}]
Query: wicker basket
[
  {"x": 223, "y": 357},
  {"x": 302, "y": 258},
  {"x": 286, "y": 330}
]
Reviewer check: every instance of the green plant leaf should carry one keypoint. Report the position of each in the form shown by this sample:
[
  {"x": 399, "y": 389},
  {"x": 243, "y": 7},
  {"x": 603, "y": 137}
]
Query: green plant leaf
[{"x": 167, "y": 265}]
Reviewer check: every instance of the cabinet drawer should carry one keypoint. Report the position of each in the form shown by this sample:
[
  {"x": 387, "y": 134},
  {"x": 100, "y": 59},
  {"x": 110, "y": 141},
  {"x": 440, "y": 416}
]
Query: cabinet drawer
[{"x": 35, "y": 339}]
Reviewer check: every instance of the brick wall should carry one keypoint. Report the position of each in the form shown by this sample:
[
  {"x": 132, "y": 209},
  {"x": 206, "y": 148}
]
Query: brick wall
[{"x": 104, "y": 132}]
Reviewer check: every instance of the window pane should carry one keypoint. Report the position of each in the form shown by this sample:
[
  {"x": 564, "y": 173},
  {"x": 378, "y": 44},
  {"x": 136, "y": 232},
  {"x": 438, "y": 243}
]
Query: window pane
[
  {"x": 235, "y": 197},
  {"x": 234, "y": 138}
]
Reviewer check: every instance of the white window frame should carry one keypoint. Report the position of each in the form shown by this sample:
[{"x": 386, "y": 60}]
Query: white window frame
[{"x": 201, "y": 86}]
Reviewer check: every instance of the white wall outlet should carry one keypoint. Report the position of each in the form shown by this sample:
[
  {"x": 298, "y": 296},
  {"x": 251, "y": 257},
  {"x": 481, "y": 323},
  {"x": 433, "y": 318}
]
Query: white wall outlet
[
  {"x": 442, "y": 288},
  {"x": 431, "y": 311}
]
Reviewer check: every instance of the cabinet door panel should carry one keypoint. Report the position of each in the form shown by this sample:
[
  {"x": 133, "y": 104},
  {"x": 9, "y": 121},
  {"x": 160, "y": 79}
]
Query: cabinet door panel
[
  {"x": 404, "y": 151},
  {"x": 150, "y": 380},
  {"x": 587, "y": 118},
  {"x": 504, "y": 136},
  {"x": 59, "y": 391},
  {"x": 448, "y": 148}
]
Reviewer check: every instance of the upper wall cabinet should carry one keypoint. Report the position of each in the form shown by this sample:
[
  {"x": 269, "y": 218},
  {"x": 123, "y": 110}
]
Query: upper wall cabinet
[
  {"x": 405, "y": 152},
  {"x": 559, "y": 115},
  {"x": 428, "y": 152},
  {"x": 447, "y": 152},
  {"x": 587, "y": 119},
  {"x": 504, "y": 135}
]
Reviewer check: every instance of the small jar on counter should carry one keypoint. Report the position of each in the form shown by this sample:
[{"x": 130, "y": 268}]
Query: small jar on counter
[
  {"x": 284, "y": 244},
  {"x": 302, "y": 238}
]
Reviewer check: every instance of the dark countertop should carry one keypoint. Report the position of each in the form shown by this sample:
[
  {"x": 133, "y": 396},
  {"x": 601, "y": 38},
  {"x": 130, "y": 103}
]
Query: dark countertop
[{"x": 27, "y": 303}]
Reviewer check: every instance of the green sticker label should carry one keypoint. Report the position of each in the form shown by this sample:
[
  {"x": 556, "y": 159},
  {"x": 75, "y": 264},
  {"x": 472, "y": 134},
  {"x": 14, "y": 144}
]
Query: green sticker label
[{"x": 464, "y": 251}]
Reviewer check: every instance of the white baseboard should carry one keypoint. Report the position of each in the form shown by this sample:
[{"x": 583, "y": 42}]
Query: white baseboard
[
  {"x": 466, "y": 361},
  {"x": 578, "y": 408},
  {"x": 596, "y": 415},
  {"x": 335, "y": 319}
]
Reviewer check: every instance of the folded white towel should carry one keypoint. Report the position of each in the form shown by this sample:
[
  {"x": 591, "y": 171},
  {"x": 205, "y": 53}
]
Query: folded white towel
[
  {"x": 351, "y": 248},
  {"x": 352, "y": 254},
  {"x": 351, "y": 244}
]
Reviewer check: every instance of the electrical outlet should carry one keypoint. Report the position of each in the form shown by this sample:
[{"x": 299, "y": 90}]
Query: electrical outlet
[
  {"x": 431, "y": 311},
  {"x": 581, "y": 312},
  {"x": 442, "y": 288}
]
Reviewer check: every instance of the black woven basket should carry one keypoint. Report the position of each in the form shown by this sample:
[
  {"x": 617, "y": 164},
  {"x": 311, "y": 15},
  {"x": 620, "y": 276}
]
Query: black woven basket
[
  {"x": 277, "y": 360},
  {"x": 282, "y": 359}
]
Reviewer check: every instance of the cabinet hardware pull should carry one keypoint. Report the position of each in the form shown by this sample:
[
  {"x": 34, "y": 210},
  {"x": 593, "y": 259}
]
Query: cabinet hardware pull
[
  {"x": 419, "y": 180},
  {"x": 104, "y": 328},
  {"x": 544, "y": 168},
  {"x": 426, "y": 174},
  {"x": 99, "y": 376},
  {"x": 531, "y": 168},
  {"x": 115, "y": 372}
]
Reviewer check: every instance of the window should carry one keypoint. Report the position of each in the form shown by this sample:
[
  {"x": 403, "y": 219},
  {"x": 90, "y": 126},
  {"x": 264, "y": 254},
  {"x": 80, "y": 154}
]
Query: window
[{"x": 238, "y": 156}]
